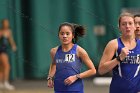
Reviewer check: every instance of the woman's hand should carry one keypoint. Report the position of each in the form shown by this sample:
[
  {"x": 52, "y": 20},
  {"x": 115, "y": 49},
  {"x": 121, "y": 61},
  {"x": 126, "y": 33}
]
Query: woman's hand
[
  {"x": 70, "y": 80},
  {"x": 50, "y": 83},
  {"x": 124, "y": 53}
]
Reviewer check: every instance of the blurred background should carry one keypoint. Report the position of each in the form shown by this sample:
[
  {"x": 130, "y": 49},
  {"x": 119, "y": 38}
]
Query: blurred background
[{"x": 35, "y": 23}]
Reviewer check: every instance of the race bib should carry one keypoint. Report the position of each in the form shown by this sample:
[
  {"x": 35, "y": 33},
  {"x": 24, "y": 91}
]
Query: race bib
[{"x": 70, "y": 57}]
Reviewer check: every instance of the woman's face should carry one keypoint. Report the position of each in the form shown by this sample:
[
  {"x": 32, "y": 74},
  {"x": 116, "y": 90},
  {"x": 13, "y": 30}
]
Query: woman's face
[
  {"x": 66, "y": 35},
  {"x": 5, "y": 24},
  {"x": 137, "y": 25},
  {"x": 127, "y": 26}
]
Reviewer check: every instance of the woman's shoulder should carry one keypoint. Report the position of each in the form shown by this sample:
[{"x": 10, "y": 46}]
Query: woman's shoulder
[
  {"x": 113, "y": 41},
  {"x": 81, "y": 50},
  {"x": 53, "y": 50},
  {"x": 9, "y": 31},
  {"x": 6, "y": 31},
  {"x": 112, "y": 44}
]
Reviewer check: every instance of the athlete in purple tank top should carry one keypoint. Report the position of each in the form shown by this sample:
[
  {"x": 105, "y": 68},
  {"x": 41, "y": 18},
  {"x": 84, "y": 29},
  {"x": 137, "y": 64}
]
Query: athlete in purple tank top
[{"x": 67, "y": 59}]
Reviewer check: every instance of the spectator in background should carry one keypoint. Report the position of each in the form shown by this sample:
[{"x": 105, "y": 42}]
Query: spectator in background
[
  {"x": 137, "y": 24},
  {"x": 122, "y": 56},
  {"x": 5, "y": 38},
  {"x": 67, "y": 60}
]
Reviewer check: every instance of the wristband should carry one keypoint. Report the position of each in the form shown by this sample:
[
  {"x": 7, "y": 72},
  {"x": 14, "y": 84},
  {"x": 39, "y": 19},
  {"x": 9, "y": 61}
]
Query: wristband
[
  {"x": 77, "y": 76},
  {"x": 49, "y": 78},
  {"x": 118, "y": 58}
]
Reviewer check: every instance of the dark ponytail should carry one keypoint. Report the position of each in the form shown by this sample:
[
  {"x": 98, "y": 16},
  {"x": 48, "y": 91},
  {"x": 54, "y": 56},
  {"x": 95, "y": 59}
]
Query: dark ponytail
[{"x": 77, "y": 30}]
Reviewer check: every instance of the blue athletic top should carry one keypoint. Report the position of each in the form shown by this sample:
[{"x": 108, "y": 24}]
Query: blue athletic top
[
  {"x": 126, "y": 75},
  {"x": 67, "y": 64},
  {"x": 3, "y": 44}
]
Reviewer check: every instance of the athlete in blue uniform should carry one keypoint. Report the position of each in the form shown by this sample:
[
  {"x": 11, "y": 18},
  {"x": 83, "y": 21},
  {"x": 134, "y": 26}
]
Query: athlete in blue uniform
[
  {"x": 5, "y": 39},
  {"x": 3, "y": 44},
  {"x": 126, "y": 64},
  {"x": 67, "y": 60}
]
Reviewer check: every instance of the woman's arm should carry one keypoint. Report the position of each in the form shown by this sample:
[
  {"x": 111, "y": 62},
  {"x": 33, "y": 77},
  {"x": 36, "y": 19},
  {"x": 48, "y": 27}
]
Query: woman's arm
[
  {"x": 52, "y": 69},
  {"x": 52, "y": 65},
  {"x": 106, "y": 62},
  {"x": 11, "y": 41},
  {"x": 87, "y": 61}
]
